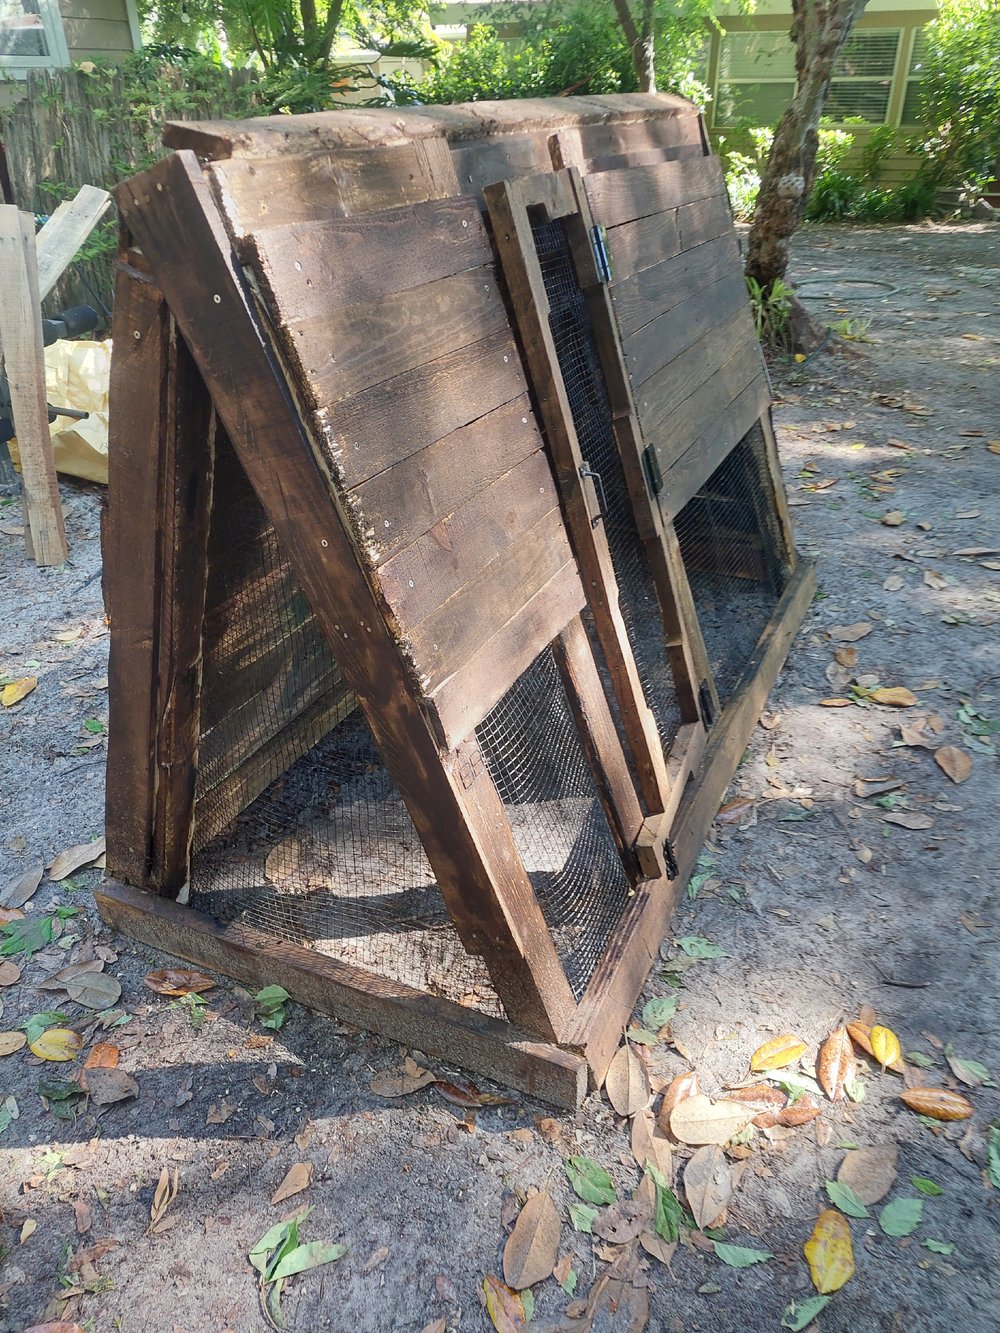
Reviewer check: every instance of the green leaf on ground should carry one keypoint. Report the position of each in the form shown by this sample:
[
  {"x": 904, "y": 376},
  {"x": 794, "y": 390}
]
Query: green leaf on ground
[
  {"x": 741, "y": 1256},
  {"x": 643, "y": 1036},
  {"x": 26, "y": 936},
  {"x": 844, "y": 1198},
  {"x": 800, "y": 1314},
  {"x": 306, "y": 1257},
  {"x": 528, "y": 1304},
  {"x": 590, "y": 1180},
  {"x": 582, "y": 1216},
  {"x": 993, "y": 1155},
  {"x": 937, "y": 1246},
  {"x": 901, "y": 1217},
  {"x": 696, "y": 946},
  {"x": 925, "y": 1186},
  {"x": 658, "y": 1011},
  {"x": 39, "y": 1023},
  {"x": 919, "y": 1059},
  {"x": 271, "y": 1006}
]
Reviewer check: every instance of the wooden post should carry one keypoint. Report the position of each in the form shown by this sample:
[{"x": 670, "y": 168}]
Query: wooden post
[
  {"x": 454, "y": 805},
  {"x": 24, "y": 357}
]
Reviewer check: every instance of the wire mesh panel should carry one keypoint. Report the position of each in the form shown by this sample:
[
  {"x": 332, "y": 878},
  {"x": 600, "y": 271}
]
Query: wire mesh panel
[
  {"x": 579, "y": 363},
  {"x": 734, "y": 555},
  {"x": 533, "y": 752}
]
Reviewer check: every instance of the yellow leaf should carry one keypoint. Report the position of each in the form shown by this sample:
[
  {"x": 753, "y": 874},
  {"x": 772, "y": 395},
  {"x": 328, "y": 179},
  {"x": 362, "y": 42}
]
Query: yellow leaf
[
  {"x": 885, "y": 1045},
  {"x": 894, "y": 696},
  {"x": 778, "y": 1052},
  {"x": 835, "y": 703},
  {"x": 800, "y": 357},
  {"x": 994, "y": 446},
  {"x": 938, "y": 1103},
  {"x": 57, "y": 1044},
  {"x": 829, "y": 1252},
  {"x": 17, "y": 690},
  {"x": 504, "y": 1307},
  {"x": 894, "y": 519}
]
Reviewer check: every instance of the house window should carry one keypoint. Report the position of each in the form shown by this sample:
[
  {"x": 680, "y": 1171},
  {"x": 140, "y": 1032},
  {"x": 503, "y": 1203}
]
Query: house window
[
  {"x": 757, "y": 77},
  {"x": 911, "y": 101},
  {"x": 31, "y": 35}
]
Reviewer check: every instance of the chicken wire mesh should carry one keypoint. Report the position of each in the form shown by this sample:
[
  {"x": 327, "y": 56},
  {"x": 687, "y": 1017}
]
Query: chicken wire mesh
[
  {"x": 735, "y": 559},
  {"x": 579, "y": 363},
  {"x": 533, "y": 753},
  {"x": 326, "y": 855}
]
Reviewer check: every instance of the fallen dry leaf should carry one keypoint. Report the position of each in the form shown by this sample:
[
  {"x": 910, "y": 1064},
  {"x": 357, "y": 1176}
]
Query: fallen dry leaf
[
  {"x": 829, "y": 1252},
  {"x": 9, "y": 972},
  {"x": 778, "y": 1052},
  {"x": 846, "y": 656},
  {"x": 835, "y": 703},
  {"x": 893, "y": 583},
  {"x": 22, "y": 889},
  {"x": 102, "y": 1056},
  {"x": 835, "y": 1065},
  {"x": 850, "y": 633},
  {"x": 94, "y": 990},
  {"x": 626, "y": 1082},
  {"x": 624, "y": 1221},
  {"x": 758, "y": 1093},
  {"x": 533, "y": 1246},
  {"x": 870, "y": 1172},
  {"x": 649, "y": 1144},
  {"x": 885, "y": 1046},
  {"x": 894, "y": 518},
  {"x": 861, "y": 1036},
  {"x": 163, "y": 1196},
  {"x": 401, "y": 1082},
  {"x": 708, "y": 1184},
  {"x": 800, "y": 1112},
  {"x": 893, "y": 696},
  {"x": 935, "y": 580},
  {"x": 684, "y": 1085},
  {"x": 58, "y": 980},
  {"x": 938, "y": 1103},
  {"x": 60, "y": 1326},
  {"x": 504, "y": 1307},
  {"x": 11, "y": 1042},
  {"x": 298, "y": 1178},
  {"x": 906, "y": 819},
  {"x": 74, "y": 858},
  {"x": 57, "y": 1044},
  {"x": 954, "y": 761},
  {"x": 177, "y": 981},
  {"x": 17, "y": 690},
  {"x": 436, "y": 1326},
  {"x": 697, "y": 1120},
  {"x": 220, "y": 1112},
  {"x": 107, "y": 1086}
]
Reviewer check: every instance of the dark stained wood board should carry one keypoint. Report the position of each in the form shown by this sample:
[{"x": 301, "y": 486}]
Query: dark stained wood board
[
  {"x": 624, "y": 196},
  {"x": 643, "y": 301},
  {"x": 716, "y": 307},
  {"x": 437, "y": 1026},
  {"x": 644, "y": 243}
]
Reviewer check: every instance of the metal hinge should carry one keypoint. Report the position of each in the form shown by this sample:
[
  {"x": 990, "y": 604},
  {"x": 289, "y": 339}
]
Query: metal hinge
[
  {"x": 670, "y": 859},
  {"x": 651, "y": 469},
  {"x": 705, "y": 700},
  {"x": 598, "y": 241}
]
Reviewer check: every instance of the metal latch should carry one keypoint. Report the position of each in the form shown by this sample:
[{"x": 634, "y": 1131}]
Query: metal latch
[
  {"x": 587, "y": 471},
  {"x": 599, "y": 244},
  {"x": 651, "y": 469}
]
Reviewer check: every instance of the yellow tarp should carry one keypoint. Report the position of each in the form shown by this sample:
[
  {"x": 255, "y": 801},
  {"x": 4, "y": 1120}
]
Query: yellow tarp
[{"x": 77, "y": 375}]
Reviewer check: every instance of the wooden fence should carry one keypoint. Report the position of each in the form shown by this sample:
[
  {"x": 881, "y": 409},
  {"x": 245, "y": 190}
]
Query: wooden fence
[{"x": 67, "y": 128}]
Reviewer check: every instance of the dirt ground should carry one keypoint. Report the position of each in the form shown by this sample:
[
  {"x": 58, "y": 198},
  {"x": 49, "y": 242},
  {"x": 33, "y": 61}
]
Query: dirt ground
[{"x": 820, "y": 900}]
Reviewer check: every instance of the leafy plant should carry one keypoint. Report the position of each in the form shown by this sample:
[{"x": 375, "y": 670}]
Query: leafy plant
[
  {"x": 279, "y": 1255},
  {"x": 771, "y": 311},
  {"x": 960, "y": 93},
  {"x": 271, "y": 1006}
]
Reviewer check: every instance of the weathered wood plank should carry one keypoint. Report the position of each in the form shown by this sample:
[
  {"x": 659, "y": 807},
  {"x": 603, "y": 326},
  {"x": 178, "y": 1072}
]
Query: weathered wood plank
[
  {"x": 304, "y": 187},
  {"x": 65, "y": 231},
  {"x": 422, "y": 577},
  {"x": 689, "y": 358},
  {"x": 623, "y": 196},
  {"x": 462, "y": 701},
  {"x": 403, "y": 502},
  {"x": 339, "y": 262},
  {"x": 468, "y": 842},
  {"x": 645, "y": 158},
  {"x": 376, "y": 429},
  {"x": 346, "y": 351},
  {"x": 23, "y": 352},
  {"x": 637, "y": 246},
  {"x": 131, "y": 564},
  {"x": 454, "y": 631},
  {"x": 683, "y": 323},
  {"x": 644, "y": 302},
  {"x": 480, "y": 162},
  {"x": 448, "y": 1031}
]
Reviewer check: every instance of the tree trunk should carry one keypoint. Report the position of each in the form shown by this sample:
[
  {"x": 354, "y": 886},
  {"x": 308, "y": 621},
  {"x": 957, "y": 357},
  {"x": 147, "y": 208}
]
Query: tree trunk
[
  {"x": 819, "y": 30},
  {"x": 641, "y": 44}
]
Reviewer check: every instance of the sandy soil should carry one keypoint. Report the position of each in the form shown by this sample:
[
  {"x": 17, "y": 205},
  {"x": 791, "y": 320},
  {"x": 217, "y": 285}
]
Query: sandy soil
[{"x": 820, "y": 902}]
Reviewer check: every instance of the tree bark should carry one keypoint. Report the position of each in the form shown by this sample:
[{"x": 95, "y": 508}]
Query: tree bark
[
  {"x": 641, "y": 43},
  {"x": 819, "y": 30}
]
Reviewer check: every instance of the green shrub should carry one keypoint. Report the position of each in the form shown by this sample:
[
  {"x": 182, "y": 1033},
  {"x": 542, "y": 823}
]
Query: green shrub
[
  {"x": 960, "y": 93},
  {"x": 834, "y": 196}
]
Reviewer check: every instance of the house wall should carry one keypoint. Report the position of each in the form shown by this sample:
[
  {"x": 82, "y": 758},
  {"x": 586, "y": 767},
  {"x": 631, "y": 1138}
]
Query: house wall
[{"x": 102, "y": 28}]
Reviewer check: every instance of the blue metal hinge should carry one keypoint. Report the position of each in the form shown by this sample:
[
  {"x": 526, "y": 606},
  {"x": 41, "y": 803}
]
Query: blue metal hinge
[{"x": 598, "y": 241}]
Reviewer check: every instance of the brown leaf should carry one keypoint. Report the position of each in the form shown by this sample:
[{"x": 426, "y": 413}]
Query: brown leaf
[
  {"x": 757, "y": 1094},
  {"x": 9, "y": 972},
  {"x": 9, "y": 914},
  {"x": 954, "y": 761},
  {"x": 102, "y": 1056},
  {"x": 163, "y": 1196},
  {"x": 626, "y": 1082},
  {"x": 84, "y": 1216},
  {"x": 623, "y": 1221},
  {"x": 835, "y": 1065},
  {"x": 460, "y": 1092},
  {"x": 870, "y": 1172},
  {"x": 94, "y": 990},
  {"x": 401, "y": 1082},
  {"x": 894, "y": 696},
  {"x": 59, "y": 1326},
  {"x": 533, "y": 1246},
  {"x": 11, "y": 1042},
  {"x": 835, "y": 703},
  {"x": 58, "y": 980},
  {"x": 850, "y": 633},
  {"x": 698, "y": 1120},
  {"x": 684, "y": 1085},
  {"x": 74, "y": 858},
  {"x": 800, "y": 1113},
  {"x": 298, "y": 1178},
  {"x": 846, "y": 657},
  {"x": 894, "y": 518},
  {"x": 438, "y": 1326},
  {"x": 504, "y": 1306},
  {"x": 177, "y": 981},
  {"x": 20, "y": 890},
  {"x": 220, "y": 1112},
  {"x": 778, "y": 1052},
  {"x": 938, "y": 1103},
  {"x": 907, "y": 819},
  {"x": 708, "y": 1184},
  {"x": 649, "y": 1144},
  {"x": 935, "y": 580},
  {"x": 107, "y": 1086}
]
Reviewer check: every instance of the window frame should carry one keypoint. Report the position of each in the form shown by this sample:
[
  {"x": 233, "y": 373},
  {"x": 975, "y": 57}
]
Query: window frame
[{"x": 18, "y": 66}]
